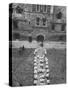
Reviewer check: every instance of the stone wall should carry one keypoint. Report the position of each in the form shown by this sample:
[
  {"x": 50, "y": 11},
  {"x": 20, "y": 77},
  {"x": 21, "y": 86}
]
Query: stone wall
[{"x": 30, "y": 21}]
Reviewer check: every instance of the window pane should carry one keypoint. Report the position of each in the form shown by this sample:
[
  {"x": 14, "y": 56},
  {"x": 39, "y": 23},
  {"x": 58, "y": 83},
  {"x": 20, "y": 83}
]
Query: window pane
[
  {"x": 44, "y": 8},
  {"x": 33, "y": 8},
  {"x": 41, "y": 8},
  {"x": 38, "y": 8},
  {"x": 37, "y": 20},
  {"x": 19, "y": 10},
  {"x": 44, "y": 21}
]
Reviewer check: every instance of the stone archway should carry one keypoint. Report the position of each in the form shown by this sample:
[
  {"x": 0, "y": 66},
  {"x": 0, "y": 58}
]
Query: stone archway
[
  {"x": 40, "y": 38},
  {"x": 37, "y": 32}
]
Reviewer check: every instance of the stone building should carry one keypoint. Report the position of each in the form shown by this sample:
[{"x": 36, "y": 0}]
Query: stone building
[{"x": 33, "y": 20}]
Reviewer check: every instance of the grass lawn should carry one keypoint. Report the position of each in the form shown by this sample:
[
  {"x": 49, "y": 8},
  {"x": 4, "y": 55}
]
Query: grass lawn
[{"x": 22, "y": 66}]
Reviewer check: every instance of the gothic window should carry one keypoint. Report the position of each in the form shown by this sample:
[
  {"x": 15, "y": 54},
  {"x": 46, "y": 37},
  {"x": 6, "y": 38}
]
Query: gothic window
[
  {"x": 19, "y": 10},
  {"x": 45, "y": 8},
  {"x": 38, "y": 8},
  {"x": 37, "y": 20},
  {"x": 59, "y": 15},
  {"x": 44, "y": 21},
  {"x": 41, "y": 8},
  {"x": 49, "y": 9},
  {"x": 33, "y": 8}
]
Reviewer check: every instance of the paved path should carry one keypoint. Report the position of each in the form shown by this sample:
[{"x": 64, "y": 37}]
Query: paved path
[{"x": 34, "y": 44}]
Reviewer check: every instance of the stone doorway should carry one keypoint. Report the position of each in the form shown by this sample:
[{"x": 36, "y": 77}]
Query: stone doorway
[{"x": 40, "y": 38}]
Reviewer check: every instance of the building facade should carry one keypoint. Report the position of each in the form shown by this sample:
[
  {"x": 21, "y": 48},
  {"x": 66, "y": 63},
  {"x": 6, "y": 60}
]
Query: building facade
[{"x": 35, "y": 20}]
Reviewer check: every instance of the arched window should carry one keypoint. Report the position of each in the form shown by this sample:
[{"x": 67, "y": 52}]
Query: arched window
[
  {"x": 59, "y": 15},
  {"x": 44, "y": 21},
  {"x": 45, "y": 8},
  {"x": 37, "y": 20},
  {"x": 19, "y": 10},
  {"x": 41, "y": 8},
  {"x": 38, "y": 8}
]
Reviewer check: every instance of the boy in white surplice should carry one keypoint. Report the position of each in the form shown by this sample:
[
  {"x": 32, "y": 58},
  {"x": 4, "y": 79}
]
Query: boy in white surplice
[{"x": 41, "y": 67}]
